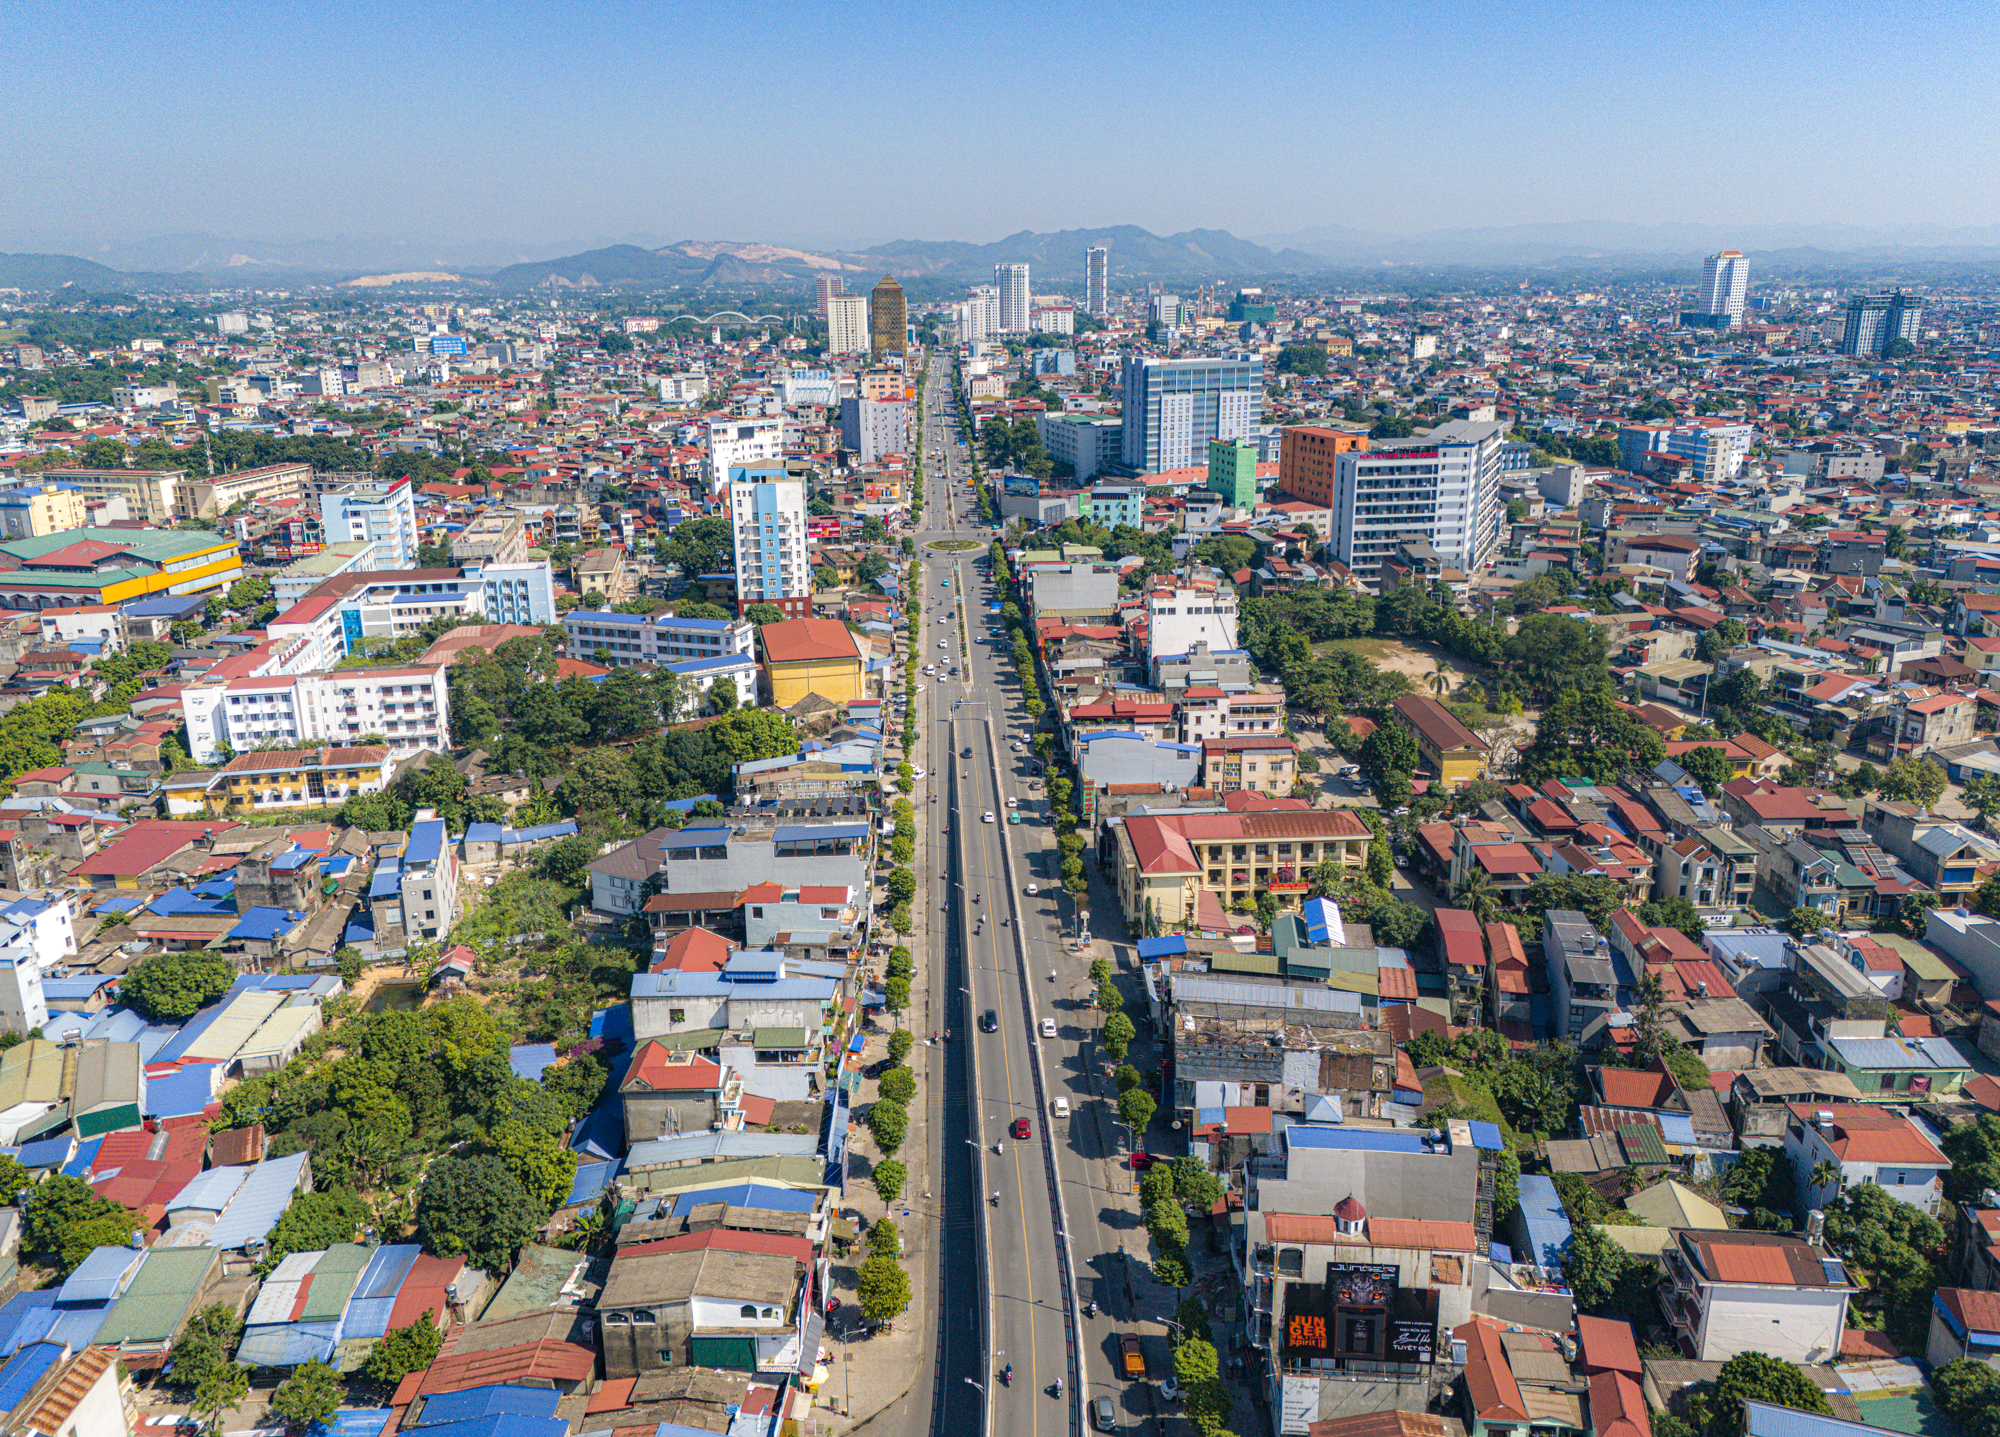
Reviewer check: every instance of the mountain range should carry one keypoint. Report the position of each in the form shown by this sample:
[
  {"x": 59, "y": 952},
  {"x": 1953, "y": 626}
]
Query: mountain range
[{"x": 196, "y": 262}]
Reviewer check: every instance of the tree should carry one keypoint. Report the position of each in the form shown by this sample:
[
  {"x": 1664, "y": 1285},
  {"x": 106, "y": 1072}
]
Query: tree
[
  {"x": 1974, "y": 1150},
  {"x": 888, "y": 1123},
  {"x": 315, "y": 1220},
  {"x": 1709, "y": 767},
  {"x": 1982, "y": 793},
  {"x": 1135, "y": 1110},
  {"x": 1596, "y": 898},
  {"x": 883, "y": 1287},
  {"x": 403, "y": 1350},
  {"x": 309, "y": 1397},
  {"x": 65, "y": 1222},
  {"x": 173, "y": 987},
  {"x": 1558, "y": 655},
  {"x": 1586, "y": 735},
  {"x": 475, "y": 1206},
  {"x": 1719, "y": 1412},
  {"x": 542, "y": 1166},
  {"x": 1673, "y": 912},
  {"x": 1117, "y": 1034},
  {"x": 1913, "y": 780},
  {"x": 203, "y": 1347},
  {"x": 1806, "y": 924},
  {"x": 1195, "y": 1185},
  {"x": 220, "y": 1391},
  {"x": 761, "y": 614},
  {"x": 1389, "y": 750},
  {"x": 898, "y": 1085},
  {"x": 1594, "y": 1266},
  {"x": 889, "y": 1176}
]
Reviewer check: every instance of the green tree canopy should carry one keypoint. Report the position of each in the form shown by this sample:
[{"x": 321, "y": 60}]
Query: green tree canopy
[
  {"x": 308, "y": 1398},
  {"x": 1586, "y": 735},
  {"x": 476, "y": 1206},
  {"x": 173, "y": 987}
]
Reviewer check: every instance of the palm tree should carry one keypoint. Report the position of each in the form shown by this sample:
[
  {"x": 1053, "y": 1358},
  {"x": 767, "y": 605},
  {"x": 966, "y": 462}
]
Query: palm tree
[
  {"x": 1825, "y": 1175},
  {"x": 1475, "y": 891},
  {"x": 1440, "y": 677}
]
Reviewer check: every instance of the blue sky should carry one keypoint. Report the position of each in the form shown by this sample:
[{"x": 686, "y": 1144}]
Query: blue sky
[{"x": 827, "y": 124}]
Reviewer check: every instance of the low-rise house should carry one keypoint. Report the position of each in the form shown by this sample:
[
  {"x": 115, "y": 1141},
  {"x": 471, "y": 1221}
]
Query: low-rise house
[
  {"x": 1888, "y": 1068},
  {"x": 1860, "y": 1144},
  {"x": 1965, "y": 1323},
  {"x": 1727, "y": 1293},
  {"x": 714, "y": 1298},
  {"x": 1450, "y": 750}
]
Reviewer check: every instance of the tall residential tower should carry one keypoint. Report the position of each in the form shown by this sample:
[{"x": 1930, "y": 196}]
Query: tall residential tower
[
  {"x": 1012, "y": 282},
  {"x": 888, "y": 317},
  {"x": 767, "y": 521},
  {"x": 1097, "y": 280},
  {"x": 1724, "y": 278},
  {"x": 846, "y": 324},
  {"x": 1173, "y": 407}
]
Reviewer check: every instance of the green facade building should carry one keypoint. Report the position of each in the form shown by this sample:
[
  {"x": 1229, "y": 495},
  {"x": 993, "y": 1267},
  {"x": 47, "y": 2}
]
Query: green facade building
[{"x": 1232, "y": 472}]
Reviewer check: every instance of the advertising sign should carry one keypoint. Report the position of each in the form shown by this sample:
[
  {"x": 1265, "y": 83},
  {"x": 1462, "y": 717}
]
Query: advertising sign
[{"x": 1026, "y": 486}]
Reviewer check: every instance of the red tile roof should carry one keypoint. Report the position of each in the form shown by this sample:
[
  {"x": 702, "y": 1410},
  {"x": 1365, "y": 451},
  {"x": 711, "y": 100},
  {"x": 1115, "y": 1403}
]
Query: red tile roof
[{"x": 1607, "y": 1345}]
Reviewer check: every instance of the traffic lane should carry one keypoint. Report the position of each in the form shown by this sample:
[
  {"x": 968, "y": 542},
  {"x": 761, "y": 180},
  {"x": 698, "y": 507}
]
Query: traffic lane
[{"x": 1027, "y": 1297}]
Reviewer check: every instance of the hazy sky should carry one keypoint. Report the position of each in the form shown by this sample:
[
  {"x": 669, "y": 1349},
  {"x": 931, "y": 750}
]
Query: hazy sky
[{"x": 824, "y": 124}]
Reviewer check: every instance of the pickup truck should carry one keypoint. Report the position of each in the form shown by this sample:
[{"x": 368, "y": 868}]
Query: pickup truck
[{"x": 1133, "y": 1354}]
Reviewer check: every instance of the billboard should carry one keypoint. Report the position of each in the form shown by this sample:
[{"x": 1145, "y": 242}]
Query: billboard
[
  {"x": 1360, "y": 1313},
  {"x": 1025, "y": 485}
]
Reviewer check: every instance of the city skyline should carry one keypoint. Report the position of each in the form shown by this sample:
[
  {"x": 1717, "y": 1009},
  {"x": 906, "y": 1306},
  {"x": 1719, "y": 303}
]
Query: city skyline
[{"x": 428, "y": 143}]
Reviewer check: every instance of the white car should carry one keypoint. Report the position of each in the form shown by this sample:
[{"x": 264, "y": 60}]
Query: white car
[
  {"x": 943, "y": 645},
  {"x": 1013, "y": 803},
  {"x": 988, "y": 818},
  {"x": 916, "y": 772},
  {"x": 1032, "y": 890},
  {"x": 1060, "y": 1108},
  {"x": 1049, "y": 1031}
]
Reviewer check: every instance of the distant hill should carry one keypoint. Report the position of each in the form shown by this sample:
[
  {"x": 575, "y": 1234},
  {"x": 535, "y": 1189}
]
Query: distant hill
[{"x": 53, "y": 271}]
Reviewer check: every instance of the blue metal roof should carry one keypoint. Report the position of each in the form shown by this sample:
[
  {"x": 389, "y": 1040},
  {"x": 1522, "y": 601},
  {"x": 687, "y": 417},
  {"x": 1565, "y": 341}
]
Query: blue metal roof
[
  {"x": 86, "y": 1154},
  {"x": 388, "y": 880},
  {"x": 746, "y": 1195},
  {"x": 1487, "y": 1136},
  {"x": 488, "y": 1402},
  {"x": 1543, "y": 1217},
  {"x": 211, "y": 1189},
  {"x": 286, "y": 1344},
  {"x": 804, "y": 832},
  {"x": 259, "y": 1203},
  {"x": 544, "y": 830},
  {"x": 1161, "y": 947},
  {"x": 47, "y": 1152},
  {"x": 1765, "y": 1419},
  {"x": 266, "y": 925},
  {"x": 506, "y": 1424},
  {"x": 591, "y": 1181},
  {"x": 528, "y": 1060},
  {"x": 613, "y": 1023},
  {"x": 426, "y": 843},
  {"x": 1370, "y": 1140},
  {"x": 102, "y": 1275},
  {"x": 709, "y": 837},
  {"x": 482, "y": 833},
  {"x": 23, "y": 1370}
]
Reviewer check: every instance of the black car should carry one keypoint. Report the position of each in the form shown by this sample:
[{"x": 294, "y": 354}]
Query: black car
[
  {"x": 967, "y": 753},
  {"x": 990, "y": 1021}
]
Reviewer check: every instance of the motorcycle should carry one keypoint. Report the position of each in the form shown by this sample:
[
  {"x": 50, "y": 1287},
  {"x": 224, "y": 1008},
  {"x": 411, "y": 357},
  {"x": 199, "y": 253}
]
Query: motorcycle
[{"x": 1007, "y": 1375}]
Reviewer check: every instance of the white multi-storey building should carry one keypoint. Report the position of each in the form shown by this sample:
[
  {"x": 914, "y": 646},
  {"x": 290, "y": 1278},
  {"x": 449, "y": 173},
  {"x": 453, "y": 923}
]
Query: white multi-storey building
[
  {"x": 1097, "y": 280},
  {"x": 323, "y": 627},
  {"x": 1724, "y": 279},
  {"x": 1173, "y": 407},
  {"x": 1053, "y": 319},
  {"x": 628, "y": 639},
  {"x": 1443, "y": 488},
  {"x": 767, "y": 520},
  {"x": 1011, "y": 280},
  {"x": 743, "y": 444},
  {"x": 1178, "y": 618},
  {"x": 383, "y": 514},
  {"x": 987, "y": 296},
  {"x": 847, "y": 324},
  {"x": 410, "y": 707}
]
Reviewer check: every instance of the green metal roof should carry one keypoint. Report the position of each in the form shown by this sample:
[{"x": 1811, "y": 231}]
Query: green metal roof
[
  {"x": 333, "y": 1280},
  {"x": 778, "y": 1038},
  {"x": 1230, "y": 961},
  {"x": 1642, "y": 1143},
  {"x": 152, "y": 1309}
]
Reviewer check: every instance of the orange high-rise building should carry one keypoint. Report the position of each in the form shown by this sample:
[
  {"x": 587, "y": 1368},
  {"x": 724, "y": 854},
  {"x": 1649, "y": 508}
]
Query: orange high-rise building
[{"x": 1307, "y": 457}]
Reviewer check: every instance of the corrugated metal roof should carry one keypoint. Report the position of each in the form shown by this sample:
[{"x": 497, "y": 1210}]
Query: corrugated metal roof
[
  {"x": 160, "y": 1297},
  {"x": 260, "y": 1202},
  {"x": 26, "y": 1368},
  {"x": 487, "y": 1402},
  {"x": 211, "y": 1190}
]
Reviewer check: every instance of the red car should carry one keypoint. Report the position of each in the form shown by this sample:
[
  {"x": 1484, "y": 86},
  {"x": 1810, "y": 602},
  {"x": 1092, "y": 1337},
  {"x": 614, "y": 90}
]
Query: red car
[
  {"x": 1142, "y": 1161},
  {"x": 1021, "y": 1127}
]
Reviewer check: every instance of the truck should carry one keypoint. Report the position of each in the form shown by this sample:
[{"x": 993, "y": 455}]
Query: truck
[{"x": 1133, "y": 1354}]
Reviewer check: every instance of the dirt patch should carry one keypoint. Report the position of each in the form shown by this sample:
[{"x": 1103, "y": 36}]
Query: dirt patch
[{"x": 1413, "y": 658}]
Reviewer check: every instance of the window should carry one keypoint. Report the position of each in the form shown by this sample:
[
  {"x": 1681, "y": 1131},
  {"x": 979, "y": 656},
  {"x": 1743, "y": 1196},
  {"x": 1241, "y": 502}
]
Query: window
[
  {"x": 677, "y": 1015},
  {"x": 1291, "y": 1261},
  {"x": 749, "y": 1310}
]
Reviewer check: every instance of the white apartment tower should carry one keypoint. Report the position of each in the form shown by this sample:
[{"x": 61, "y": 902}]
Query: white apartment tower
[
  {"x": 1442, "y": 489},
  {"x": 383, "y": 514},
  {"x": 1724, "y": 278},
  {"x": 1012, "y": 282},
  {"x": 742, "y": 443},
  {"x": 1097, "y": 280},
  {"x": 767, "y": 520},
  {"x": 846, "y": 323}
]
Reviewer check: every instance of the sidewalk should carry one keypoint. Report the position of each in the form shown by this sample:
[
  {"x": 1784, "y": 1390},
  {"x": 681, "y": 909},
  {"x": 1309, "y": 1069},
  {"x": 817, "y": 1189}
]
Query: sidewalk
[{"x": 871, "y": 1374}]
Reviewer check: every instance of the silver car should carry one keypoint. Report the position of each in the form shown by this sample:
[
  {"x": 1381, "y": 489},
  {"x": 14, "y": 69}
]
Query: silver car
[{"x": 1103, "y": 1416}]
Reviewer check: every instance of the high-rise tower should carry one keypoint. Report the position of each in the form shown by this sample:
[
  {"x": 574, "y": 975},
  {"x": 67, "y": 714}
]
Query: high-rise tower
[{"x": 888, "y": 317}]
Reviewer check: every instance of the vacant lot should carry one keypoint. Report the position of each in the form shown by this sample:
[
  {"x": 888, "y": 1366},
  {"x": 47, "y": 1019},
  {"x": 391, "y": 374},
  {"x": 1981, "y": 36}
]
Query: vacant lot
[
  {"x": 1418, "y": 661},
  {"x": 1405, "y": 656}
]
